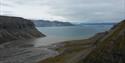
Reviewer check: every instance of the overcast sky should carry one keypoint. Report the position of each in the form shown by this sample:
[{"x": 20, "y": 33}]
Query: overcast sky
[{"x": 66, "y": 10}]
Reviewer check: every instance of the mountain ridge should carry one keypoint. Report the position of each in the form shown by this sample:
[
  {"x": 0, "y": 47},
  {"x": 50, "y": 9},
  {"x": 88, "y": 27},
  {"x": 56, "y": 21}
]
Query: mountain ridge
[
  {"x": 14, "y": 28},
  {"x": 48, "y": 23},
  {"x": 97, "y": 23}
]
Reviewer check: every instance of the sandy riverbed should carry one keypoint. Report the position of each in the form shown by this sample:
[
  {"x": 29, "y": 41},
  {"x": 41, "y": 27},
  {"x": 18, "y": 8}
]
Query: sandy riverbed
[{"x": 18, "y": 52}]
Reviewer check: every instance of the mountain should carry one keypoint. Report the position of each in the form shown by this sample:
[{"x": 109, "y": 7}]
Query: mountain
[
  {"x": 96, "y": 23},
  {"x": 111, "y": 48},
  {"x": 14, "y": 28},
  {"x": 47, "y": 23}
]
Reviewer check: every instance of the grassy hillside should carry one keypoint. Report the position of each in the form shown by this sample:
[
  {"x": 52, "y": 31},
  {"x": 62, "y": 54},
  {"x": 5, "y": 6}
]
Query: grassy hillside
[{"x": 110, "y": 49}]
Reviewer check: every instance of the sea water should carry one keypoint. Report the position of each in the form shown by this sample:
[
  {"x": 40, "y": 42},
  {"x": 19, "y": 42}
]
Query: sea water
[{"x": 66, "y": 33}]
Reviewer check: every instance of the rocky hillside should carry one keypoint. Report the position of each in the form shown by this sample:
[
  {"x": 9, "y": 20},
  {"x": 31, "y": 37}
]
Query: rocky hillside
[
  {"x": 47, "y": 23},
  {"x": 14, "y": 28},
  {"x": 109, "y": 49}
]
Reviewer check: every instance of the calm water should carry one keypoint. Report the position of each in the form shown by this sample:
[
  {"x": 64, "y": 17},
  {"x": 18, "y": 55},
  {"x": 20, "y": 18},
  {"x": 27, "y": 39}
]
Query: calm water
[{"x": 58, "y": 34}]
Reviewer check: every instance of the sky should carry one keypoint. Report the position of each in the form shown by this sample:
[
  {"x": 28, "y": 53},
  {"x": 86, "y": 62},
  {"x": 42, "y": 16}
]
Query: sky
[{"x": 65, "y": 10}]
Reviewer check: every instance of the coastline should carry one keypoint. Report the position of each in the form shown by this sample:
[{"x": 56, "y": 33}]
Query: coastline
[
  {"x": 21, "y": 50},
  {"x": 74, "y": 49},
  {"x": 64, "y": 52},
  {"x": 15, "y": 35},
  {"x": 102, "y": 46}
]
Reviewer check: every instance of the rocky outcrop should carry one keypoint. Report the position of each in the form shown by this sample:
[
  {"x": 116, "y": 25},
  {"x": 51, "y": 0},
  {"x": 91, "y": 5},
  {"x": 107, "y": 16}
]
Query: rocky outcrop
[
  {"x": 111, "y": 48},
  {"x": 47, "y": 23},
  {"x": 14, "y": 28}
]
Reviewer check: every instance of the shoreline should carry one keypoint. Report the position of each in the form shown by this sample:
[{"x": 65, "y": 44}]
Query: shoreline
[
  {"x": 93, "y": 50},
  {"x": 18, "y": 49},
  {"x": 77, "y": 48}
]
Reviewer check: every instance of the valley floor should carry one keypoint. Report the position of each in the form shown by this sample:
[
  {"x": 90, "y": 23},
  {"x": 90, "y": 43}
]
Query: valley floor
[
  {"x": 75, "y": 50},
  {"x": 71, "y": 51},
  {"x": 14, "y": 52},
  {"x": 62, "y": 52}
]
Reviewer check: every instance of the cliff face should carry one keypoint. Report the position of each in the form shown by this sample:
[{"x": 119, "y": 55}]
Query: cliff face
[
  {"x": 111, "y": 48},
  {"x": 46, "y": 23},
  {"x": 14, "y": 28}
]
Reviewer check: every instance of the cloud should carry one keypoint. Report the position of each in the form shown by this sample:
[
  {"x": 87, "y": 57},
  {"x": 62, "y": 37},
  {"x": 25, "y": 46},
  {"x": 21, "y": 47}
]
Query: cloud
[{"x": 66, "y": 10}]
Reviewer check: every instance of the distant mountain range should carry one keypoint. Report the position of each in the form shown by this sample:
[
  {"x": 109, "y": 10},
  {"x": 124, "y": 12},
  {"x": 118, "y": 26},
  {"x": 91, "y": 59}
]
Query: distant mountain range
[
  {"x": 96, "y": 23},
  {"x": 47, "y": 23}
]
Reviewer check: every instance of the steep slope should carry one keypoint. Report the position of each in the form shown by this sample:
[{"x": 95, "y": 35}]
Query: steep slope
[
  {"x": 111, "y": 48},
  {"x": 14, "y": 28}
]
